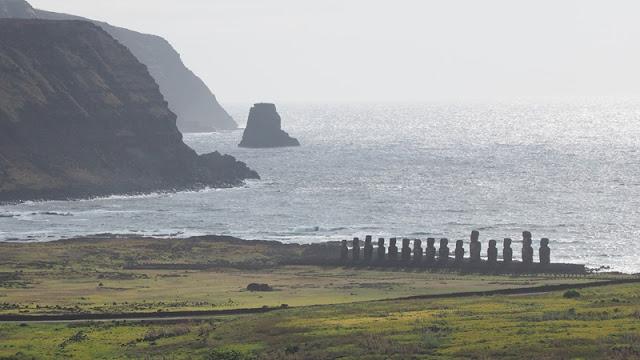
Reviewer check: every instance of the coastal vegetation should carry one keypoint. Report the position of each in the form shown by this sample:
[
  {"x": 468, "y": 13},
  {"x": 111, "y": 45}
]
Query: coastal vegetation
[
  {"x": 601, "y": 324},
  {"x": 127, "y": 274},
  {"x": 318, "y": 312}
]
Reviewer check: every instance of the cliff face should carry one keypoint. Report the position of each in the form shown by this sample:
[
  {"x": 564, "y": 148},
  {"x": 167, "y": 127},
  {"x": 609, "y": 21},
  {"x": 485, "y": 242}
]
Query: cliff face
[
  {"x": 81, "y": 116},
  {"x": 16, "y": 9},
  {"x": 188, "y": 96},
  {"x": 264, "y": 129}
]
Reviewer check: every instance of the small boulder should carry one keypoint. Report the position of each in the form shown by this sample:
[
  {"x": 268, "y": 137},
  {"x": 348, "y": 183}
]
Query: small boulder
[
  {"x": 259, "y": 287},
  {"x": 571, "y": 294}
]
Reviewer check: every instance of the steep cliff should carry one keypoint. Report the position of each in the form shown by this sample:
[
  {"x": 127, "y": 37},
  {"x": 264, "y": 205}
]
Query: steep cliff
[
  {"x": 18, "y": 9},
  {"x": 189, "y": 97},
  {"x": 264, "y": 129},
  {"x": 81, "y": 116}
]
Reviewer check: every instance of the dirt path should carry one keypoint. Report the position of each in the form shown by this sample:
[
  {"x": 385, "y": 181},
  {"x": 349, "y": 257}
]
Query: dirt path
[{"x": 186, "y": 315}]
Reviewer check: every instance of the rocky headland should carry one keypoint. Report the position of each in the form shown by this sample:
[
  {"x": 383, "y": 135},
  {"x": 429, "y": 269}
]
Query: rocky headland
[
  {"x": 188, "y": 96},
  {"x": 80, "y": 116},
  {"x": 264, "y": 129}
]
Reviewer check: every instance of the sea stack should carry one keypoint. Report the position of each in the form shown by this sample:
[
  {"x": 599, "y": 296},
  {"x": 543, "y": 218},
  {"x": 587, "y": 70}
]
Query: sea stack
[{"x": 264, "y": 129}]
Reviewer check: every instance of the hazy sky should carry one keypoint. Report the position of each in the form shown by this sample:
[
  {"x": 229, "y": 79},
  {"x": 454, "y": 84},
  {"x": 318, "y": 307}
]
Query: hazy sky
[{"x": 400, "y": 50}]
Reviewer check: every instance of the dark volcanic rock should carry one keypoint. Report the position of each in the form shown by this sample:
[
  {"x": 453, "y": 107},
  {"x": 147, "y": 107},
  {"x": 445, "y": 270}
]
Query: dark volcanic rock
[
  {"x": 16, "y": 9},
  {"x": 264, "y": 129},
  {"x": 259, "y": 287},
  {"x": 188, "y": 96},
  {"x": 81, "y": 116}
]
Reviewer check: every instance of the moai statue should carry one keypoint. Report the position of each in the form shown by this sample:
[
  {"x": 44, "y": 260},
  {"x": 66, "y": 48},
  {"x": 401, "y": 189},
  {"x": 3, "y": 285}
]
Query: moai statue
[
  {"x": 406, "y": 250},
  {"x": 507, "y": 252},
  {"x": 443, "y": 252},
  {"x": 393, "y": 250},
  {"x": 459, "y": 252},
  {"x": 382, "y": 251},
  {"x": 356, "y": 250},
  {"x": 417, "y": 251},
  {"x": 431, "y": 251},
  {"x": 368, "y": 249},
  {"x": 527, "y": 249},
  {"x": 492, "y": 253},
  {"x": 475, "y": 247},
  {"x": 344, "y": 252},
  {"x": 545, "y": 252}
]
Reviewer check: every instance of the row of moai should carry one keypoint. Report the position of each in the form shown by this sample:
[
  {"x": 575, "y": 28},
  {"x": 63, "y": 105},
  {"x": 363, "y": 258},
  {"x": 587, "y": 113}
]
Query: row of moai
[{"x": 441, "y": 257}]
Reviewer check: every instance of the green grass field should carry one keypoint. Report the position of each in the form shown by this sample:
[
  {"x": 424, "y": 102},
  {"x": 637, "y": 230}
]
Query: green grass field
[
  {"x": 104, "y": 276},
  {"x": 58, "y": 292},
  {"x": 331, "y": 313},
  {"x": 603, "y": 323}
]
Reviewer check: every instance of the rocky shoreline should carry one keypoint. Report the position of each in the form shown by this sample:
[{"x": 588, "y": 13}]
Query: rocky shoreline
[{"x": 19, "y": 197}]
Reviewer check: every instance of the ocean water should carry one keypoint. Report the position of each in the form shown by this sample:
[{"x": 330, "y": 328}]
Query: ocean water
[{"x": 569, "y": 171}]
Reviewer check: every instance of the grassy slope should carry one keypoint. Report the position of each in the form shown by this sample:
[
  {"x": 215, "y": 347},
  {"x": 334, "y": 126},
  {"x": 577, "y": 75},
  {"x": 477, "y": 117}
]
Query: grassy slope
[{"x": 604, "y": 323}]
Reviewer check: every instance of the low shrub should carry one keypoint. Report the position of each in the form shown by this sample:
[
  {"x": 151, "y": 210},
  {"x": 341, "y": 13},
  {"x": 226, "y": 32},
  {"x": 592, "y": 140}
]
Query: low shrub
[
  {"x": 571, "y": 294},
  {"x": 167, "y": 332},
  {"x": 259, "y": 287},
  {"x": 226, "y": 355}
]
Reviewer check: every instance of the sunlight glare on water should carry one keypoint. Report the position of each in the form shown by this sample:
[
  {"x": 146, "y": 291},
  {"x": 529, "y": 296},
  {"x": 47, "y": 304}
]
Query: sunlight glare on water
[{"x": 567, "y": 171}]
